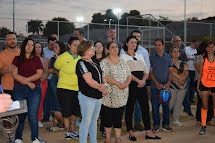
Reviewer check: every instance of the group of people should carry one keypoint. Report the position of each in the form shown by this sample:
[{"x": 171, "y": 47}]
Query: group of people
[{"x": 86, "y": 80}]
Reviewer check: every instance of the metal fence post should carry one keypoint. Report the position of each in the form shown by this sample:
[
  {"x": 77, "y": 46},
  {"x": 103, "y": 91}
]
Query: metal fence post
[
  {"x": 88, "y": 31},
  {"x": 58, "y": 30},
  {"x": 211, "y": 31}
]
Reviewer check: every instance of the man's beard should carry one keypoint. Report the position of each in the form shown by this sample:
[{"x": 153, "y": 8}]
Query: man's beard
[{"x": 11, "y": 47}]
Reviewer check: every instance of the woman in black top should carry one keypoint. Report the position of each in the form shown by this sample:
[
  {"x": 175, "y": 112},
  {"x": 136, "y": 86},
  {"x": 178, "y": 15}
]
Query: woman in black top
[{"x": 91, "y": 88}]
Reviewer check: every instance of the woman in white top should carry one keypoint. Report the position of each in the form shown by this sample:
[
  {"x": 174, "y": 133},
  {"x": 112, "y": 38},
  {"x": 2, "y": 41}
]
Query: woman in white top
[{"x": 137, "y": 88}]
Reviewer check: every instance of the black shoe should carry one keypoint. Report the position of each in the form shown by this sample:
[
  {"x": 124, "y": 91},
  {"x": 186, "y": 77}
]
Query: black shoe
[
  {"x": 156, "y": 128},
  {"x": 153, "y": 138},
  {"x": 203, "y": 130},
  {"x": 103, "y": 134},
  {"x": 132, "y": 138},
  {"x": 166, "y": 128},
  {"x": 138, "y": 127},
  {"x": 189, "y": 113}
]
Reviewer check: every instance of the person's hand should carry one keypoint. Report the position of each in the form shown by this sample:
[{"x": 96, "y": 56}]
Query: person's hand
[
  {"x": 8, "y": 69},
  {"x": 167, "y": 85},
  {"x": 199, "y": 92},
  {"x": 159, "y": 86},
  {"x": 31, "y": 85},
  {"x": 123, "y": 86},
  {"x": 141, "y": 83},
  {"x": 103, "y": 90},
  {"x": 5, "y": 102},
  {"x": 24, "y": 81}
]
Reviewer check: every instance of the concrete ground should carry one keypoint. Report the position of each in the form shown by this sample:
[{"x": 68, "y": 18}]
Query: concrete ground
[{"x": 186, "y": 134}]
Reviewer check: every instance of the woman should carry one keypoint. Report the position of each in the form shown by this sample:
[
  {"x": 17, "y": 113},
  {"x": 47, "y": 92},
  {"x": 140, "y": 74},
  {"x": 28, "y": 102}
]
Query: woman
[
  {"x": 67, "y": 87},
  {"x": 59, "y": 48},
  {"x": 137, "y": 88},
  {"x": 91, "y": 88},
  {"x": 178, "y": 85},
  {"x": 97, "y": 58},
  {"x": 206, "y": 82},
  {"x": 99, "y": 52},
  {"x": 198, "y": 57},
  {"x": 118, "y": 76},
  {"x": 44, "y": 81},
  {"x": 27, "y": 74}
]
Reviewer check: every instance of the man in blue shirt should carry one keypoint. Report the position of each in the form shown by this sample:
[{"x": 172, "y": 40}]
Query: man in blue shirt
[{"x": 161, "y": 75}]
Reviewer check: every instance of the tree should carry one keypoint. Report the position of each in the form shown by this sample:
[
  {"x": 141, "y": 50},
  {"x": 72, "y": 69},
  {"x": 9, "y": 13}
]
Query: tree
[
  {"x": 194, "y": 19},
  {"x": 110, "y": 15},
  {"x": 4, "y": 31},
  {"x": 65, "y": 27},
  {"x": 164, "y": 20},
  {"x": 35, "y": 26},
  {"x": 98, "y": 18}
]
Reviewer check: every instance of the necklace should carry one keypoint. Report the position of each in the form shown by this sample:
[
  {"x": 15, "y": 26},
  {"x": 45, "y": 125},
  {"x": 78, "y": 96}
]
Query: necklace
[{"x": 94, "y": 65}]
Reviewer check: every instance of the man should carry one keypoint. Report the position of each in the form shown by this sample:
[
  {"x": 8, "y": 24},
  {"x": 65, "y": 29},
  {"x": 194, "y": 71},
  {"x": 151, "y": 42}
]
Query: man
[
  {"x": 48, "y": 53},
  {"x": 111, "y": 36},
  {"x": 5, "y": 102},
  {"x": 142, "y": 51},
  {"x": 190, "y": 52},
  {"x": 176, "y": 42},
  {"x": 6, "y": 59},
  {"x": 161, "y": 76},
  {"x": 79, "y": 33}
]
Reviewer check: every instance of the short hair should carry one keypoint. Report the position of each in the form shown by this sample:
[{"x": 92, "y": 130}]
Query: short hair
[
  {"x": 174, "y": 37},
  {"x": 51, "y": 38},
  {"x": 125, "y": 47},
  {"x": 160, "y": 40},
  {"x": 83, "y": 47},
  {"x": 135, "y": 31},
  {"x": 80, "y": 30},
  {"x": 71, "y": 39},
  {"x": 9, "y": 33}
]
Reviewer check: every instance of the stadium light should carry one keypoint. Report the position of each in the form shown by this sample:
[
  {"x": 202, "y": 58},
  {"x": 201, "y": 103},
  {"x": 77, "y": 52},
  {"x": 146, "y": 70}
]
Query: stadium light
[{"x": 117, "y": 12}]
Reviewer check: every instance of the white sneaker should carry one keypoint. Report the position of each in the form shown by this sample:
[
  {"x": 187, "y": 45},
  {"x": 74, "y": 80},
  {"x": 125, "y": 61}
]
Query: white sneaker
[
  {"x": 40, "y": 124},
  {"x": 18, "y": 141},
  {"x": 36, "y": 141},
  {"x": 177, "y": 123}
]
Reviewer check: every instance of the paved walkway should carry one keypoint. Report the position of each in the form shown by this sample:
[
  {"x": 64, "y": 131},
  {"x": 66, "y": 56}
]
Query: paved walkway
[{"x": 186, "y": 134}]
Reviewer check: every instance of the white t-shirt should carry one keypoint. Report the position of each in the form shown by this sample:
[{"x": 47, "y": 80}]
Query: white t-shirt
[{"x": 190, "y": 52}]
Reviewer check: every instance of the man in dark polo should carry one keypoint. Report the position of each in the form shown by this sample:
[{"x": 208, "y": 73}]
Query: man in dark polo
[{"x": 161, "y": 75}]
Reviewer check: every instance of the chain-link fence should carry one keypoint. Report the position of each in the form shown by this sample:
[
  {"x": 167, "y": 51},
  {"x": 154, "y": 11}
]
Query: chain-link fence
[
  {"x": 153, "y": 29},
  {"x": 92, "y": 31}
]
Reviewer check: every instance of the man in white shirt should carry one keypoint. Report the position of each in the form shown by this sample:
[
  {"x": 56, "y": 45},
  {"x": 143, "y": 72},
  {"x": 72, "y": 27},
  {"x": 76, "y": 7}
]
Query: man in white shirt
[{"x": 190, "y": 52}]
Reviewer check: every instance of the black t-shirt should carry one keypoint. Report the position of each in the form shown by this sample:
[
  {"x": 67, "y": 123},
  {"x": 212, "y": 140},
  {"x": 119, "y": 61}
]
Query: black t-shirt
[{"x": 84, "y": 67}]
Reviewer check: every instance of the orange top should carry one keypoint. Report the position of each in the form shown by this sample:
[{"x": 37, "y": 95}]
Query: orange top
[
  {"x": 6, "y": 59},
  {"x": 208, "y": 74}
]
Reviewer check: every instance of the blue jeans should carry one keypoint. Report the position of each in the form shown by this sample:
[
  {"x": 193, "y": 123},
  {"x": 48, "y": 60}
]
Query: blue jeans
[
  {"x": 90, "y": 108},
  {"x": 155, "y": 109},
  {"x": 54, "y": 103},
  {"x": 22, "y": 92},
  {"x": 47, "y": 102},
  {"x": 137, "y": 113},
  {"x": 191, "y": 85},
  {"x": 186, "y": 102}
]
